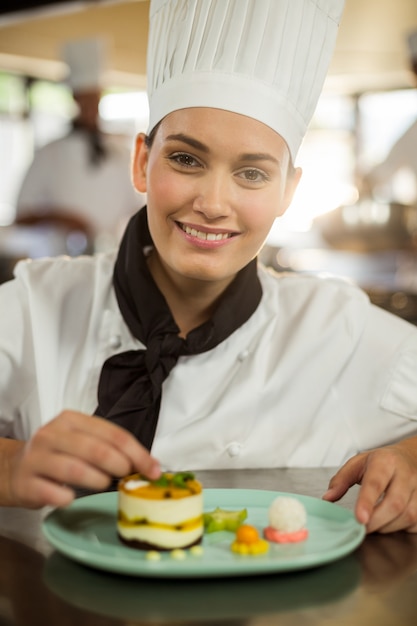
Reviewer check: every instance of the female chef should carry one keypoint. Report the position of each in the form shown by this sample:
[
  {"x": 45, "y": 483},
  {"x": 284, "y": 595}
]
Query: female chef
[{"x": 181, "y": 344}]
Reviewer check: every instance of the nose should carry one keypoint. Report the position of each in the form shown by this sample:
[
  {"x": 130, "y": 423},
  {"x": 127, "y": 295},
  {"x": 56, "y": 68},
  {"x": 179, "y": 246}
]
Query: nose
[{"x": 212, "y": 197}]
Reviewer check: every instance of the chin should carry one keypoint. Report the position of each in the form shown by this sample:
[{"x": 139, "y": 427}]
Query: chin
[{"x": 207, "y": 275}]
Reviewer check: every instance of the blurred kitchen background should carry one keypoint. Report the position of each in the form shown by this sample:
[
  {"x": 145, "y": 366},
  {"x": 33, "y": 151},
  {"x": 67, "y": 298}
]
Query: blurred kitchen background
[{"x": 337, "y": 223}]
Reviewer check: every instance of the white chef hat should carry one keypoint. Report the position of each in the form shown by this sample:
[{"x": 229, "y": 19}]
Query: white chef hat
[
  {"x": 412, "y": 45},
  {"x": 86, "y": 63},
  {"x": 266, "y": 59}
]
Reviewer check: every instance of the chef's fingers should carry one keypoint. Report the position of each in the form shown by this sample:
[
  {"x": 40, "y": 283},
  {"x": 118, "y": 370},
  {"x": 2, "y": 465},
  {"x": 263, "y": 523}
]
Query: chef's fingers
[
  {"x": 104, "y": 444},
  {"x": 396, "y": 508},
  {"x": 62, "y": 469},
  {"x": 349, "y": 474},
  {"x": 35, "y": 491},
  {"x": 25, "y": 487},
  {"x": 387, "y": 499},
  {"x": 74, "y": 450},
  {"x": 396, "y": 511}
]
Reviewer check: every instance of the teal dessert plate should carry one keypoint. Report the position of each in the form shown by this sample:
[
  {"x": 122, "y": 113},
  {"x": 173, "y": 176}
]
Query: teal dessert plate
[{"x": 86, "y": 532}]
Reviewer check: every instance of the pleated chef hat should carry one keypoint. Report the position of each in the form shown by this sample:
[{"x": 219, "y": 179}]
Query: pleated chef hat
[
  {"x": 266, "y": 59},
  {"x": 86, "y": 63}
]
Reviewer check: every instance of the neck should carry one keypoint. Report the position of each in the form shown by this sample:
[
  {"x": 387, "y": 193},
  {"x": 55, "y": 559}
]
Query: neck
[
  {"x": 86, "y": 124},
  {"x": 191, "y": 302}
]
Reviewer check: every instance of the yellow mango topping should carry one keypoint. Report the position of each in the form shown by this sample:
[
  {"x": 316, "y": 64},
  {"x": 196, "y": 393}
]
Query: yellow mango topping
[
  {"x": 248, "y": 542},
  {"x": 168, "y": 485}
]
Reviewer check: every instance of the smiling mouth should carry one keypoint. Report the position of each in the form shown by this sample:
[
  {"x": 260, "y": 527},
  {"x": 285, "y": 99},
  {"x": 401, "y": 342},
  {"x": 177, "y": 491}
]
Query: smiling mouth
[{"x": 204, "y": 236}]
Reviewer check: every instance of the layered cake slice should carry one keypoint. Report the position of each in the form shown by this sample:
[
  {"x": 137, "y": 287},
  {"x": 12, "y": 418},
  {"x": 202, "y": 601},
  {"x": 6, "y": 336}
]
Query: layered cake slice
[{"x": 160, "y": 515}]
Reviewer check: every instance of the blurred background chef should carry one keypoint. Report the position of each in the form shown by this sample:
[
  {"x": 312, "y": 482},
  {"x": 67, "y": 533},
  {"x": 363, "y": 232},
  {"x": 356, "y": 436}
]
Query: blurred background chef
[
  {"x": 81, "y": 182},
  {"x": 382, "y": 180}
]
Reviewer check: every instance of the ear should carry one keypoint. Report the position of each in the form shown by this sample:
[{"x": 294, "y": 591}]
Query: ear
[
  {"x": 139, "y": 164},
  {"x": 290, "y": 186}
]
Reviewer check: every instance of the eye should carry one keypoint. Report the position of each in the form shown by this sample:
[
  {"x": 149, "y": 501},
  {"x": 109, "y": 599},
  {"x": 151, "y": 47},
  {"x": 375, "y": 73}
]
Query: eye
[
  {"x": 253, "y": 175},
  {"x": 184, "y": 160}
]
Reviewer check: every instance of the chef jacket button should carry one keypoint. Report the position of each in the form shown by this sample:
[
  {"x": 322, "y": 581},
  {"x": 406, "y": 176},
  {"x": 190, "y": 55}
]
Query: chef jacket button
[
  {"x": 234, "y": 448},
  {"x": 115, "y": 341},
  {"x": 243, "y": 355}
]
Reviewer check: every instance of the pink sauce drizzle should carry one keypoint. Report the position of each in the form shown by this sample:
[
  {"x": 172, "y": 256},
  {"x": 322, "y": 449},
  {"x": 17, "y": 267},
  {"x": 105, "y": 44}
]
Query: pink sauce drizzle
[{"x": 271, "y": 534}]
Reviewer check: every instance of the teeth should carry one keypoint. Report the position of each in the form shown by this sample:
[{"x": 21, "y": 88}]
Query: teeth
[{"x": 206, "y": 236}]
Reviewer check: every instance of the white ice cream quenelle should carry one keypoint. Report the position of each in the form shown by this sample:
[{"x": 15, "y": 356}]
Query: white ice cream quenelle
[{"x": 287, "y": 515}]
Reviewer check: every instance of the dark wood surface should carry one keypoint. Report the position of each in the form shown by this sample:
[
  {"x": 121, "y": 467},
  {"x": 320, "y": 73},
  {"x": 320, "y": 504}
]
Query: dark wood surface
[{"x": 374, "y": 586}]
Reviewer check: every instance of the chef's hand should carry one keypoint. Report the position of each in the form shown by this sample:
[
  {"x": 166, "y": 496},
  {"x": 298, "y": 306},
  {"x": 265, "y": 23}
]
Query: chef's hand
[
  {"x": 387, "y": 499},
  {"x": 72, "y": 450}
]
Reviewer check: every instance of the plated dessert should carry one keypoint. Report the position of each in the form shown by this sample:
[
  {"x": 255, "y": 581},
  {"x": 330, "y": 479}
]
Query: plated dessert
[
  {"x": 86, "y": 531},
  {"x": 165, "y": 514}
]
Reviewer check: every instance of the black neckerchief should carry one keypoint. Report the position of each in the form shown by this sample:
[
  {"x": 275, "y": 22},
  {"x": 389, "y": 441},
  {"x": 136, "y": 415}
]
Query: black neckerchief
[
  {"x": 130, "y": 385},
  {"x": 97, "y": 149}
]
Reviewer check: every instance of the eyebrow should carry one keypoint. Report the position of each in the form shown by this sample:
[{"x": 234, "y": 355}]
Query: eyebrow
[
  {"x": 194, "y": 143},
  {"x": 250, "y": 156},
  {"x": 259, "y": 156}
]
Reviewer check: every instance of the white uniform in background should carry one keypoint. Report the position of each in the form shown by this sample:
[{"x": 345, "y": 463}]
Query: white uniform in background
[
  {"x": 403, "y": 155},
  {"x": 62, "y": 176},
  {"x": 315, "y": 375}
]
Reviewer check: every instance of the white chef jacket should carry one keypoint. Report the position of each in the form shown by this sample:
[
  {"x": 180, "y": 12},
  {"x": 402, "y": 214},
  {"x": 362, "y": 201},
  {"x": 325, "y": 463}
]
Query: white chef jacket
[
  {"x": 62, "y": 177},
  {"x": 314, "y": 376},
  {"x": 403, "y": 154}
]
